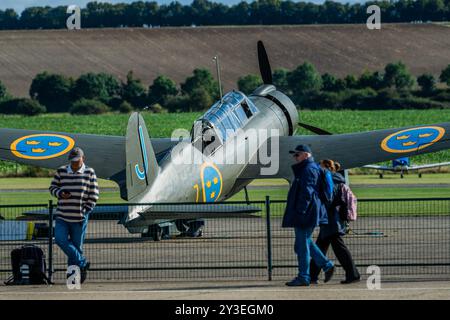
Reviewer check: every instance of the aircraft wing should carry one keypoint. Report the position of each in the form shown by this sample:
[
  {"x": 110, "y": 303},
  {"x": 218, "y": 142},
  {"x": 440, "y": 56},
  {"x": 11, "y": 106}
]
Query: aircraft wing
[
  {"x": 353, "y": 149},
  {"x": 409, "y": 168},
  {"x": 100, "y": 212},
  {"x": 106, "y": 154},
  {"x": 431, "y": 165},
  {"x": 167, "y": 212},
  {"x": 195, "y": 211},
  {"x": 383, "y": 168}
]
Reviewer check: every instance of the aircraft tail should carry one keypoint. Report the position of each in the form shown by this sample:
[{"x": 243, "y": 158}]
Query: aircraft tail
[{"x": 141, "y": 166}]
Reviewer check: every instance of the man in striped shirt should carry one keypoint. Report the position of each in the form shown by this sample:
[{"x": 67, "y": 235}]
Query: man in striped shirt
[{"x": 75, "y": 186}]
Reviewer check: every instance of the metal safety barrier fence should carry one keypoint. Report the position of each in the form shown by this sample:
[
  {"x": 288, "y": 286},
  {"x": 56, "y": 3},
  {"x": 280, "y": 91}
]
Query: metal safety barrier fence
[{"x": 406, "y": 238}]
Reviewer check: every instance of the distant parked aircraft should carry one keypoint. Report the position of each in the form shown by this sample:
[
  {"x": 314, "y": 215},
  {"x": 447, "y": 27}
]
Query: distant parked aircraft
[{"x": 403, "y": 165}]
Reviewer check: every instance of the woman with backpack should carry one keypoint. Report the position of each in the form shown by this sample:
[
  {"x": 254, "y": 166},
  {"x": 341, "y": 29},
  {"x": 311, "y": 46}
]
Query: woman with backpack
[{"x": 333, "y": 232}]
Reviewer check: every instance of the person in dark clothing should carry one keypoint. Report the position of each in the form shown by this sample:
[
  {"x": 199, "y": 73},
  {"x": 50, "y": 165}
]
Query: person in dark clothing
[
  {"x": 305, "y": 211},
  {"x": 333, "y": 232}
]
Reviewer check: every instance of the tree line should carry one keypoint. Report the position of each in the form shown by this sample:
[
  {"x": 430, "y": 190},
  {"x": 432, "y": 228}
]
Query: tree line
[
  {"x": 392, "y": 88},
  {"x": 94, "y": 93},
  {"x": 204, "y": 12}
]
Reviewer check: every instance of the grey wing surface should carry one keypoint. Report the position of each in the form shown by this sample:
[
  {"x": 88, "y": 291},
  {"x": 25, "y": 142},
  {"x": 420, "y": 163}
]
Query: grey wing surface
[
  {"x": 428, "y": 166},
  {"x": 355, "y": 149}
]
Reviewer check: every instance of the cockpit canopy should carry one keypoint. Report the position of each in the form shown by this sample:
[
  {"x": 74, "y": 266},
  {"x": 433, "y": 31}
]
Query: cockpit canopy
[{"x": 227, "y": 116}]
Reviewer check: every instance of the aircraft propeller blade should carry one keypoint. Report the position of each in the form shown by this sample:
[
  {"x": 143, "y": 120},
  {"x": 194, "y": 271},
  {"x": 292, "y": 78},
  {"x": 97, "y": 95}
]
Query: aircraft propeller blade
[
  {"x": 264, "y": 65},
  {"x": 314, "y": 129}
]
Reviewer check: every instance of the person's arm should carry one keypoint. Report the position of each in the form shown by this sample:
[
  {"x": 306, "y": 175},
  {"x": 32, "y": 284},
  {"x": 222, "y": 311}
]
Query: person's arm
[
  {"x": 307, "y": 189},
  {"x": 55, "y": 186},
  {"x": 93, "y": 192}
]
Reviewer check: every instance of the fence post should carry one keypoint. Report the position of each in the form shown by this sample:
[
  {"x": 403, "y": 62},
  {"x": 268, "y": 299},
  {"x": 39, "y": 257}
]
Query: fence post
[
  {"x": 50, "y": 240},
  {"x": 269, "y": 239}
]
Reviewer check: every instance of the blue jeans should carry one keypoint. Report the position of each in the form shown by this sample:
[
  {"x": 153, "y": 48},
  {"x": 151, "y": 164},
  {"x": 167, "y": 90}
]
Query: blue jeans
[
  {"x": 69, "y": 236},
  {"x": 306, "y": 249}
]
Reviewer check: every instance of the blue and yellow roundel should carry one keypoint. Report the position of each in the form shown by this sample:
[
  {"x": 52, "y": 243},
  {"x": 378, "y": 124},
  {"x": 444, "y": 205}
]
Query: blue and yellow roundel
[
  {"x": 412, "y": 139},
  {"x": 211, "y": 182},
  {"x": 41, "y": 146}
]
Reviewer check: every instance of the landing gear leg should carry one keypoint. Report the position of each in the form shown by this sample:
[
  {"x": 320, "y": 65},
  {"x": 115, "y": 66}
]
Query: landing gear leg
[{"x": 155, "y": 232}]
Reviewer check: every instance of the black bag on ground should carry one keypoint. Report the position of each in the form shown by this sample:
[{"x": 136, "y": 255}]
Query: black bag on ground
[{"x": 28, "y": 266}]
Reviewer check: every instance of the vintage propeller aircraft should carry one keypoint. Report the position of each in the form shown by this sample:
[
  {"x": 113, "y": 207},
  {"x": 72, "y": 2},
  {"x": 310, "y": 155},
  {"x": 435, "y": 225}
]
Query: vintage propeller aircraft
[
  {"x": 403, "y": 165},
  {"x": 150, "y": 171}
]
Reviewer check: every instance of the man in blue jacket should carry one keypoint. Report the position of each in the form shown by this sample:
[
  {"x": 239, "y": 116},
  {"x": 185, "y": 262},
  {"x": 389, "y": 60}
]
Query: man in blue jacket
[{"x": 304, "y": 212}]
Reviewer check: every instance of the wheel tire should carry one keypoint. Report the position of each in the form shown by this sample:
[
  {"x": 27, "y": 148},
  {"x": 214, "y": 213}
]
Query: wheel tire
[
  {"x": 157, "y": 234},
  {"x": 154, "y": 232}
]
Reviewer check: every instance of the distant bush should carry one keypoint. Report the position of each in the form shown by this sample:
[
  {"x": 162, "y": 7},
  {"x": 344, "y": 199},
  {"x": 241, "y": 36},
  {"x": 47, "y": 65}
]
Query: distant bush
[
  {"x": 87, "y": 106},
  {"x": 200, "y": 100},
  {"x": 360, "y": 99},
  {"x": 157, "y": 108},
  {"x": 247, "y": 84},
  {"x": 323, "y": 100},
  {"x": 54, "y": 91},
  {"x": 25, "y": 106},
  {"x": 199, "y": 83},
  {"x": 442, "y": 96},
  {"x": 418, "y": 103},
  {"x": 134, "y": 91},
  {"x": 3, "y": 92},
  {"x": 178, "y": 103},
  {"x": 100, "y": 86},
  {"x": 162, "y": 89},
  {"x": 125, "y": 107},
  {"x": 427, "y": 83}
]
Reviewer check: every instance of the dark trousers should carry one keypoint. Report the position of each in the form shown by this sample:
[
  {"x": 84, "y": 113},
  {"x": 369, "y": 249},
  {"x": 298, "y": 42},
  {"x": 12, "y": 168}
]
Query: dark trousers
[{"x": 340, "y": 251}]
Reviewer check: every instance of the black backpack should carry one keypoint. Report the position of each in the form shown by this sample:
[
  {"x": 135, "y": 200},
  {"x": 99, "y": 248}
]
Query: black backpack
[{"x": 32, "y": 259}]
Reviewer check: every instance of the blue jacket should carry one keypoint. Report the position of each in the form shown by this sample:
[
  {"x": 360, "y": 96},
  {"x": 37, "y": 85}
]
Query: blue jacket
[
  {"x": 335, "y": 224},
  {"x": 304, "y": 208}
]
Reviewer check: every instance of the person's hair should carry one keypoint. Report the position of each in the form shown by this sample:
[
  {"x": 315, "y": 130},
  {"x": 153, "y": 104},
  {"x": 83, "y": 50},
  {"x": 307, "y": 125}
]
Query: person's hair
[
  {"x": 337, "y": 165},
  {"x": 329, "y": 164}
]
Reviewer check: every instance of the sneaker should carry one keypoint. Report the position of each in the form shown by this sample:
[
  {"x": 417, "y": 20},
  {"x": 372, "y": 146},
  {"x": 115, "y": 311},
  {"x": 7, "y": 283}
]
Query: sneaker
[
  {"x": 352, "y": 280},
  {"x": 329, "y": 274},
  {"x": 84, "y": 272},
  {"x": 297, "y": 283},
  {"x": 315, "y": 281}
]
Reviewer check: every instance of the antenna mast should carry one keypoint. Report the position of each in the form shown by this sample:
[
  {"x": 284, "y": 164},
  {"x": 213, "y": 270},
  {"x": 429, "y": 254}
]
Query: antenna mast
[{"x": 216, "y": 59}]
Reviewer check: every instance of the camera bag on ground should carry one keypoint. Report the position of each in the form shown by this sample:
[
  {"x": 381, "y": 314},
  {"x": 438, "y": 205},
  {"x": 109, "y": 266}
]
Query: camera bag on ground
[{"x": 28, "y": 266}]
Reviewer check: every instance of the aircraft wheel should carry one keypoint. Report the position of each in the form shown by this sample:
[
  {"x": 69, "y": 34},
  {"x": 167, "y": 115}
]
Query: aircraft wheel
[
  {"x": 154, "y": 232},
  {"x": 401, "y": 175},
  {"x": 381, "y": 176},
  {"x": 420, "y": 175}
]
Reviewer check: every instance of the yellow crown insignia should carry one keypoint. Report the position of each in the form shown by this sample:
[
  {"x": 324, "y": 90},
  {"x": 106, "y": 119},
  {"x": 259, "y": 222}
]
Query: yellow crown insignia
[
  {"x": 33, "y": 143},
  {"x": 39, "y": 150},
  {"x": 54, "y": 144}
]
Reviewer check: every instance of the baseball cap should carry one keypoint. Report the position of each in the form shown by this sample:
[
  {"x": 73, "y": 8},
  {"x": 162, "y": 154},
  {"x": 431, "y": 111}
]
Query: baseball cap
[
  {"x": 76, "y": 154},
  {"x": 301, "y": 148}
]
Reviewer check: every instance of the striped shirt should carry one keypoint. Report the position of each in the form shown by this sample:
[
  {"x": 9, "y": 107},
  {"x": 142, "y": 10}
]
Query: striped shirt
[{"x": 83, "y": 188}]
